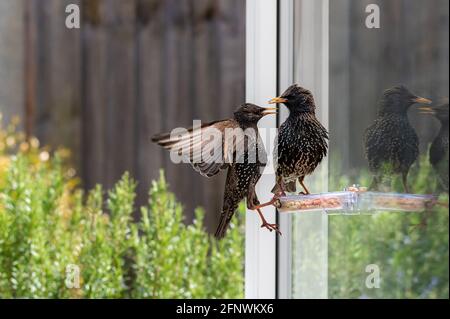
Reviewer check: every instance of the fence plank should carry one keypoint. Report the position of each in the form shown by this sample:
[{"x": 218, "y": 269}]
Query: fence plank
[
  {"x": 178, "y": 53},
  {"x": 58, "y": 72},
  {"x": 120, "y": 89},
  {"x": 12, "y": 33},
  {"x": 149, "y": 121},
  {"x": 94, "y": 103}
]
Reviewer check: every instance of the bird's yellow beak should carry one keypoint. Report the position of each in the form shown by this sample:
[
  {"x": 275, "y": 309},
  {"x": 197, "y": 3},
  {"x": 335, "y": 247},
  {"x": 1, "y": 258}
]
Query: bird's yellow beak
[
  {"x": 426, "y": 110},
  {"x": 278, "y": 100},
  {"x": 270, "y": 110},
  {"x": 422, "y": 100}
]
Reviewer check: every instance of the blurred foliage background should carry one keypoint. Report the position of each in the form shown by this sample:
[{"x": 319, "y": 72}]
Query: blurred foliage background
[{"x": 47, "y": 223}]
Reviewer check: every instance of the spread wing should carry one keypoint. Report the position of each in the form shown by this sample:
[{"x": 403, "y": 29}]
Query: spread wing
[{"x": 208, "y": 148}]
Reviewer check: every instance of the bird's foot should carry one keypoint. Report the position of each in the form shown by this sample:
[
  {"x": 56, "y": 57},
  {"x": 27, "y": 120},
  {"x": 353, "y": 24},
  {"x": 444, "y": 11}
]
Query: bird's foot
[
  {"x": 265, "y": 224},
  {"x": 303, "y": 193},
  {"x": 280, "y": 194},
  {"x": 271, "y": 227}
]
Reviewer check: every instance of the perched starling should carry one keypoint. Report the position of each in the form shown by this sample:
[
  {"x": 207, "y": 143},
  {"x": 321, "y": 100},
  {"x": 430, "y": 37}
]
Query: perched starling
[
  {"x": 439, "y": 147},
  {"x": 391, "y": 144},
  {"x": 301, "y": 142},
  {"x": 241, "y": 152}
]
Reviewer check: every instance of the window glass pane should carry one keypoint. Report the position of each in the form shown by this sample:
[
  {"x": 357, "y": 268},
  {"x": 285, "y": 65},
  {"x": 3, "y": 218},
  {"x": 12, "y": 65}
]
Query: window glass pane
[
  {"x": 409, "y": 48},
  {"x": 407, "y": 251},
  {"x": 310, "y": 230}
]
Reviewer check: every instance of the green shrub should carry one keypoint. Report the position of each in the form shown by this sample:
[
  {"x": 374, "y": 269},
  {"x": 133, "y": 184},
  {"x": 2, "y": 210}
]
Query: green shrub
[
  {"x": 47, "y": 225},
  {"x": 411, "y": 249}
]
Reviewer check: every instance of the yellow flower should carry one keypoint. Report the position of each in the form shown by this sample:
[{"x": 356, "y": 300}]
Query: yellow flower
[{"x": 4, "y": 163}]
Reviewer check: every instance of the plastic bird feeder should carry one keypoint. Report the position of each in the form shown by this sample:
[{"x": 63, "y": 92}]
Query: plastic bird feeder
[{"x": 355, "y": 201}]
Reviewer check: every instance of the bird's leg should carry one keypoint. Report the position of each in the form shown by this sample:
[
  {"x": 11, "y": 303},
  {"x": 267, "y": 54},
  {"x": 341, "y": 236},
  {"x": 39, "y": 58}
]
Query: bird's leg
[
  {"x": 374, "y": 184},
  {"x": 252, "y": 200},
  {"x": 306, "y": 191},
  {"x": 279, "y": 194},
  {"x": 265, "y": 224},
  {"x": 426, "y": 214},
  {"x": 405, "y": 182},
  {"x": 281, "y": 187},
  {"x": 269, "y": 203}
]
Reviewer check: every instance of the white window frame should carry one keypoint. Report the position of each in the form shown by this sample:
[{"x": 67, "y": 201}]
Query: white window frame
[
  {"x": 261, "y": 85},
  {"x": 270, "y": 68}
]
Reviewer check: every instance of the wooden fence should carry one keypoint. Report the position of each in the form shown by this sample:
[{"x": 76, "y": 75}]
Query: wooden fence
[
  {"x": 139, "y": 67},
  {"x": 134, "y": 68}
]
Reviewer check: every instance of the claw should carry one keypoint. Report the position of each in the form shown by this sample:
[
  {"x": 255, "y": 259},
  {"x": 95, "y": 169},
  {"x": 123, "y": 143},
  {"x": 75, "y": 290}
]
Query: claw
[
  {"x": 265, "y": 224},
  {"x": 271, "y": 227}
]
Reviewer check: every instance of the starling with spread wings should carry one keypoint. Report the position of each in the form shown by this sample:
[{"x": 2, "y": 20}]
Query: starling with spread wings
[{"x": 232, "y": 144}]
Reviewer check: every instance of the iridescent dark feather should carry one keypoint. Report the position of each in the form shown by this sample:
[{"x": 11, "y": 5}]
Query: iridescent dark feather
[
  {"x": 301, "y": 142},
  {"x": 391, "y": 143}
]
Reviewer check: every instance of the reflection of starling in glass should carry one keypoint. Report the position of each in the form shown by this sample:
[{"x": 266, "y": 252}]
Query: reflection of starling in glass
[
  {"x": 237, "y": 150},
  {"x": 439, "y": 147},
  {"x": 391, "y": 144}
]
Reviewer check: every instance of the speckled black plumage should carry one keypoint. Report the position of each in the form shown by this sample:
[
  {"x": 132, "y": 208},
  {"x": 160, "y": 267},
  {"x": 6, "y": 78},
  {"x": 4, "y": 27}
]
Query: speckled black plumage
[
  {"x": 391, "y": 143},
  {"x": 439, "y": 147},
  {"x": 243, "y": 155},
  {"x": 301, "y": 141},
  {"x": 243, "y": 174}
]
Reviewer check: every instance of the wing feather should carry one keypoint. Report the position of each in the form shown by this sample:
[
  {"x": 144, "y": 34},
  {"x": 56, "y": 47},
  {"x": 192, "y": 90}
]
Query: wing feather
[{"x": 209, "y": 148}]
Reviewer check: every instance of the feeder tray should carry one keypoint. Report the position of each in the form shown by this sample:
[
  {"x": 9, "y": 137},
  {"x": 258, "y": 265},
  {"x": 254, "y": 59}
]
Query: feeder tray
[{"x": 355, "y": 200}]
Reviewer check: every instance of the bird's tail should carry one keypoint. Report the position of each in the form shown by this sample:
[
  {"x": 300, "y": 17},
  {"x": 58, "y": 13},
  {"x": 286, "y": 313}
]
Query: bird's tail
[{"x": 225, "y": 219}]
